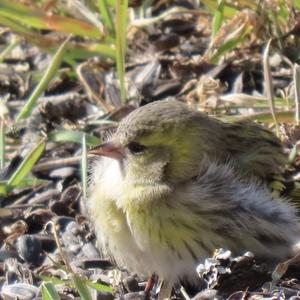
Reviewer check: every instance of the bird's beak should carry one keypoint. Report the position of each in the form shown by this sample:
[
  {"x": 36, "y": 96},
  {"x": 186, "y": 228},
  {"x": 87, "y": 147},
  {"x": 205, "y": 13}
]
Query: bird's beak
[{"x": 109, "y": 149}]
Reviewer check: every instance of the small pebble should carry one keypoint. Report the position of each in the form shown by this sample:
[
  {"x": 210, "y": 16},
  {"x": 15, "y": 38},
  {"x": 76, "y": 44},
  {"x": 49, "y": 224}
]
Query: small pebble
[
  {"x": 104, "y": 296},
  {"x": 206, "y": 295},
  {"x": 89, "y": 251},
  {"x": 100, "y": 278},
  {"x": 131, "y": 284},
  {"x": 134, "y": 296},
  {"x": 20, "y": 291},
  {"x": 30, "y": 249}
]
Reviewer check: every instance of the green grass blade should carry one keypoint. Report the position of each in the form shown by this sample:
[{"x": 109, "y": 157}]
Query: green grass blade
[
  {"x": 75, "y": 50},
  {"x": 30, "y": 182},
  {"x": 49, "y": 292},
  {"x": 111, "y": 2},
  {"x": 100, "y": 287},
  {"x": 27, "y": 164},
  {"x": 3, "y": 188},
  {"x": 81, "y": 287},
  {"x": 83, "y": 51},
  {"x": 212, "y": 5},
  {"x": 296, "y": 4},
  {"x": 73, "y": 136},
  {"x": 225, "y": 48},
  {"x": 284, "y": 10},
  {"x": 218, "y": 17},
  {"x": 49, "y": 74},
  {"x": 16, "y": 27},
  {"x": 121, "y": 43},
  {"x": 106, "y": 16},
  {"x": 34, "y": 17},
  {"x": 53, "y": 280}
]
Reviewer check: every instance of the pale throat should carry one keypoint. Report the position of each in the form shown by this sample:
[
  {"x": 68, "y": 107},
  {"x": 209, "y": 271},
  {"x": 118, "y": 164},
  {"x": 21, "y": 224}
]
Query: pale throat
[
  {"x": 136, "y": 192},
  {"x": 127, "y": 189}
]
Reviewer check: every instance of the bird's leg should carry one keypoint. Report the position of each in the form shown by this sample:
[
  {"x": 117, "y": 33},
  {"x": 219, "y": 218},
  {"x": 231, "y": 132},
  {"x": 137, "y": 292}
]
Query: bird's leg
[{"x": 150, "y": 284}]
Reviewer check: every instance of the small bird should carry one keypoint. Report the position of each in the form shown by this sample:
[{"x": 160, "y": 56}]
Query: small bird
[{"x": 173, "y": 184}]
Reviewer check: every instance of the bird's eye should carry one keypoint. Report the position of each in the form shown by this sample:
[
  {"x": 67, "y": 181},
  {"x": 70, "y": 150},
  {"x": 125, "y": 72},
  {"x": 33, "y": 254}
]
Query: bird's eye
[{"x": 136, "y": 148}]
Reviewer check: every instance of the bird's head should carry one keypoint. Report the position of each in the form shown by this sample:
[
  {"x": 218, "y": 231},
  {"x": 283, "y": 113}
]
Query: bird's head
[{"x": 158, "y": 142}]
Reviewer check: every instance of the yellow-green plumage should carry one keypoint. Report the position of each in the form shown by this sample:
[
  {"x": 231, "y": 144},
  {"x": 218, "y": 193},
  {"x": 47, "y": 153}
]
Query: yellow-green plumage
[
  {"x": 192, "y": 134},
  {"x": 181, "y": 184}
]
